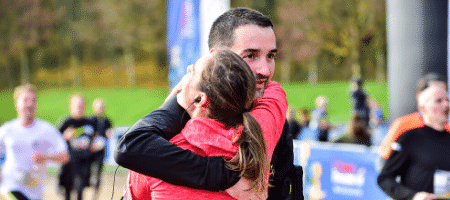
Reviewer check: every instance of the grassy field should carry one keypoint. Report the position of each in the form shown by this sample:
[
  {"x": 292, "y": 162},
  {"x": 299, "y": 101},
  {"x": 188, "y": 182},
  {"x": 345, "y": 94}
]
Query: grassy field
[{"x": 125, "y": 106}]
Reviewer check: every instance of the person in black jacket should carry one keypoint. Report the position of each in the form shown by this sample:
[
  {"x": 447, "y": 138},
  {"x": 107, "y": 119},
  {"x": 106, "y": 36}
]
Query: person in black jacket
[
  {"x": 78, "y": 131},
  {"x": 421, "y": 156},
  {"x": 360, "y": 99},
  {"x": 103, "y": 132},
  {"x": 145, "y": 147}
]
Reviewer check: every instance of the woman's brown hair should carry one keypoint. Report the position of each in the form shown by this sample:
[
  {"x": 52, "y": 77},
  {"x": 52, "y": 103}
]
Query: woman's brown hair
[{"x": 230, "y": 85}]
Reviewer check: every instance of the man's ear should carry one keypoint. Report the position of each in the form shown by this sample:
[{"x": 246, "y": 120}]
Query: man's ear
[{"x": 212, "y": 50}]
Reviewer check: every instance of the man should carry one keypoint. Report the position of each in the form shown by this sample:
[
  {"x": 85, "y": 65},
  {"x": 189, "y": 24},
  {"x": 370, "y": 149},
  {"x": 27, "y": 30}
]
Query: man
[
  {"x": 102, "y": 133},
  {"x": 249, "y": 34},
  {"x": 29, "y": 144},
  {"x": 421, "y": 156},
  {"x": 78, "y": 131},
  {"x": 413, "y": 120},
  {"x": 360, "y": 99}
]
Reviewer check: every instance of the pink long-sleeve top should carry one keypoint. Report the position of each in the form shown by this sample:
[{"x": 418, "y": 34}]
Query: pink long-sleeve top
[{"x": 207, "y": 137}]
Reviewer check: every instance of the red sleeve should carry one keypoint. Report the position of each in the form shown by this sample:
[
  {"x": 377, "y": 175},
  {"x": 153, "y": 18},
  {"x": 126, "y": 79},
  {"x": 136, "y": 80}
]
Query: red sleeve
[{"x": 270, "y": 112}]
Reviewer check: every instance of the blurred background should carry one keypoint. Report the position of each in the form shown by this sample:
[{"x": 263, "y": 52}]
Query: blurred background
[
  {"x": 118, "y": 50},
  {"x": 129, "y": 53}
]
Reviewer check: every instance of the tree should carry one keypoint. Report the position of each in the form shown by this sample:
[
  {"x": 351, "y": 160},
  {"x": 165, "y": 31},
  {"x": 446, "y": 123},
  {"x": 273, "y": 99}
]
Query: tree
[{"x": 331, "y": 37}]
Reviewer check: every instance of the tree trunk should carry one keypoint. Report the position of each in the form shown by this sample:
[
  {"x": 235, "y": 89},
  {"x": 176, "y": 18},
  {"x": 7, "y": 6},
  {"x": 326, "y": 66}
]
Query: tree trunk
[
  {"x": 78, "y": 76},
  {"x": 129, "y": 66},
  {"x": 10, "y": 76},
  {"x": 312, "y": 74},
  {"x": 25, "y": 58},
  {"x": 380, "y": 67},
  {"x": 285, "y": 70}
]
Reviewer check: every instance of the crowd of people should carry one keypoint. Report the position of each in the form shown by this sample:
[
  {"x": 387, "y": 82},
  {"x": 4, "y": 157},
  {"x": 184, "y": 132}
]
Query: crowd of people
[
  {"x": 226, "y": 132},
  {"x": 30, "y": 143}
]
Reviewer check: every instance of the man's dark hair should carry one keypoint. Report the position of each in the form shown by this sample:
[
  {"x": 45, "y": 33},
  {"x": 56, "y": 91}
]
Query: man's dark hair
[
  {"x": 222, "y": 30},
  {"x": 424, "y": 82}
]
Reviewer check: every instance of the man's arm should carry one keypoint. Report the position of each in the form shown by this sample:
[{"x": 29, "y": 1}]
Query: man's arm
[
  {"x": 396, "y": 164},
  {"x": 62, "y": 158},
  {"x": 145, "y": 149}
]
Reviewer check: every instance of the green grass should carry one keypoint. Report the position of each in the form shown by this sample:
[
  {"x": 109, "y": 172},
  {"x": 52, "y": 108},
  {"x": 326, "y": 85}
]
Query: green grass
[
  {"x": 338, "y": 95},
  {"x": 125, "y": 106}
]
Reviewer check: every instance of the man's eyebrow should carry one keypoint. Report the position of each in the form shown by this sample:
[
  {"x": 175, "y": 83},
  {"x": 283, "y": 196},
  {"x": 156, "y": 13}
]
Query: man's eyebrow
[
  {"x": 258, "y": 50},
  {"x": 251, "y": 50}
]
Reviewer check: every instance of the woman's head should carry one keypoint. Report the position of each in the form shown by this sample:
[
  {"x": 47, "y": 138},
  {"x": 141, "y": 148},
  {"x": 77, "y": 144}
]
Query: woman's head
[
  {"x": 358, "y": 126},
  {"x": 221, "y": 86}
]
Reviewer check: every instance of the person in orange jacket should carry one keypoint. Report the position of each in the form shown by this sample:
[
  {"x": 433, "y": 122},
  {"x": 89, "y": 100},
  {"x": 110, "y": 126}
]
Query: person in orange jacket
[{"x": 413, "y": 120}]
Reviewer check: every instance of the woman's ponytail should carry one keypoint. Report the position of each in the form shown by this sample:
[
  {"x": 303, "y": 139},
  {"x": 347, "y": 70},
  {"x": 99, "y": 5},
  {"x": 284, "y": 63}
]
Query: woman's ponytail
[{"x": 252, "y": 156}]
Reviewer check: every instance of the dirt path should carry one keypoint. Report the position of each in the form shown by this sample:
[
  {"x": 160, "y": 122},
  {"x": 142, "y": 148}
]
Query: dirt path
[{"x": 106, "y": 188}]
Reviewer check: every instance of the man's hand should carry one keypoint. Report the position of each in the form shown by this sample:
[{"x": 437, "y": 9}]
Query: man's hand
[
  {"x": 424, "y": 196},
  {"x": 39, "y": 158},
  {"x": 177, "y": 88},
  {"x": 68, "y": 133},
  {"x": 240, "y": 191}
]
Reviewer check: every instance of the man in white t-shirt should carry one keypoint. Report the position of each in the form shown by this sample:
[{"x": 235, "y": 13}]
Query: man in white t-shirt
[{"x": 28, "y": 143}]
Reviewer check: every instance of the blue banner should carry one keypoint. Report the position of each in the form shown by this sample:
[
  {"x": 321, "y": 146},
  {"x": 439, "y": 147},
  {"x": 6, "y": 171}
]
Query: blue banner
[
  {"x": 336, "y": 171},
  {"x": 183, "y": 37}
]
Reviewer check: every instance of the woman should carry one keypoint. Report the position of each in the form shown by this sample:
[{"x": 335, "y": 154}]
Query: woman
[{"x": 217, "y": 93}]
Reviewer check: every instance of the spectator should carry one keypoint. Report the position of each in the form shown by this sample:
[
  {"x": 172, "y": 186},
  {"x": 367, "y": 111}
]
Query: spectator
[
  {"x": 102, "y": 133},
  {"x": 357, "y": 133},
  {"x": 421, "y": 156},
  {"x": 377, "y": 124},
  {"x": 320, "y": 124},
  {"x": 359, "y": 99},
  {"x": 294, "y": 125},
  {"x": 413, "y": 120},
  {"x": 29, "y": 144},
  {"x": 78, "y": 131}
]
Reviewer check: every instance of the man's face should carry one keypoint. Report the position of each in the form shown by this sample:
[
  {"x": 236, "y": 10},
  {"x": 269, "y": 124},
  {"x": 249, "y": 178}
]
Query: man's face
[
  {"x": 26, "y": 104},
  {"x": 77, "y": 107},
  {"x": 98, "y": 107},
  {"x": 257, "y": 46},
  {"x": 436, "y": 107}
]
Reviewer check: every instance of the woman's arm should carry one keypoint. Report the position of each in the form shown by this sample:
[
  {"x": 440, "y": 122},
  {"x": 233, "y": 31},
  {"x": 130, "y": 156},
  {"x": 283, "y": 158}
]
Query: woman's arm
[{"x": 145, "y": 148}]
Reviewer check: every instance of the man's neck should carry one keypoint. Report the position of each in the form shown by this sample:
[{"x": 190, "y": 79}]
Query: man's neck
[
  {"x": 24, "y": 121},
  {"x": 435, "y": 125}
]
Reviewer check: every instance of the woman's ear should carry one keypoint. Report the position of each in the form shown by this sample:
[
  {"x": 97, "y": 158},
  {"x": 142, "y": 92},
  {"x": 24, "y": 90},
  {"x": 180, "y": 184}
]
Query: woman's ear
[{"x": 202, "y": 100}]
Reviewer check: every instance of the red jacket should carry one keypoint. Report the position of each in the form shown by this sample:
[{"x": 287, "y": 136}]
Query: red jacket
[{"x": 207, "y": 137}]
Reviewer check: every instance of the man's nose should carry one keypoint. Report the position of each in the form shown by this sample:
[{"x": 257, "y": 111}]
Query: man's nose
[{"x": 263, "y": 68}]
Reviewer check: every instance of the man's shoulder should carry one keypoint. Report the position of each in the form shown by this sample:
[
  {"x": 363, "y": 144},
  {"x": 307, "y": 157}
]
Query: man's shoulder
[
  {"x": 410, "y": 121},
  {"x": 44, "y": 123},
  {"x": 9, "y": 123}
]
